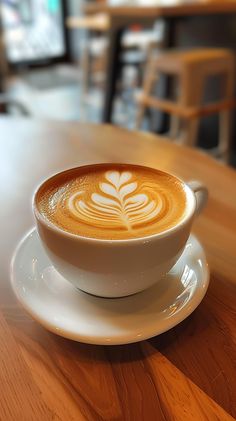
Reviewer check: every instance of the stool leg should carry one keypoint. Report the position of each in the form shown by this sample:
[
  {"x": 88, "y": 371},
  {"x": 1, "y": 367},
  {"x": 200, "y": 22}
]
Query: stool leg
[
  {"x": 85, "y": 70},
  {"x": 149, "y": 79},
  {"x": 225, "y": 117},
  {"x": 174, "y": 120},
  {"x": 225, "y": 134},
  {"x": 191, "y": 96},
  {"x": 189, "y": 132},
  {"x": 174, "y": 127},
  {"x": 139, "y": 116}
]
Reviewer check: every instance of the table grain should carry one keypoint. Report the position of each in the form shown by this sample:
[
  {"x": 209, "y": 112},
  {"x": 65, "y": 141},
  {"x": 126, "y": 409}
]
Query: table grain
[{"x": 187, "y": 373}]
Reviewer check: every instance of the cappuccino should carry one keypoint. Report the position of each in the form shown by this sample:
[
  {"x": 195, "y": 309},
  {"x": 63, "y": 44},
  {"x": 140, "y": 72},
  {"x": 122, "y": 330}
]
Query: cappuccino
[{"x": 112, "y": 201}]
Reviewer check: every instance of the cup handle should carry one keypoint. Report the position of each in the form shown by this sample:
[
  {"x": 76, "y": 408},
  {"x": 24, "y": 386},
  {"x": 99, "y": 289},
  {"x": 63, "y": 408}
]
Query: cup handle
[{"x": 201, "y": 193}]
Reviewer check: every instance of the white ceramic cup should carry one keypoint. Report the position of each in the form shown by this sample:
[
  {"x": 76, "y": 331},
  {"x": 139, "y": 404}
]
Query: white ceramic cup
[{"x": 118, "y": 268}]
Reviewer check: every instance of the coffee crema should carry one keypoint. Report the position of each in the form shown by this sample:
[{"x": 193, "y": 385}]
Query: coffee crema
[{"x": 112, "y": 201}]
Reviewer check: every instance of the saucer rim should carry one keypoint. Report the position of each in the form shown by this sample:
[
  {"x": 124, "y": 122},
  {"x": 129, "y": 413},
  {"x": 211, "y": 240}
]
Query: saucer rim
[{"x": 129, "y": 338}]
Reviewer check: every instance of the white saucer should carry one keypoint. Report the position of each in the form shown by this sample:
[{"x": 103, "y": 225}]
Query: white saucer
[{"x": 59, "y": 307}]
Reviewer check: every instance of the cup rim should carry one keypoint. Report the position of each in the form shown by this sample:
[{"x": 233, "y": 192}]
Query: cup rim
[{"x": 191, "y": 206}]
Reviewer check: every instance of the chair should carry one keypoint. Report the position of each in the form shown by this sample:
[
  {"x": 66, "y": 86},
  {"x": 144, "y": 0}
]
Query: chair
[{"x": 192, "y": 69}]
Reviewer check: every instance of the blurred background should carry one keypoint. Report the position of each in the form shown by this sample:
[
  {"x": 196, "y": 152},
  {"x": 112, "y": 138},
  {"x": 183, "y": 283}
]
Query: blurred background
[{"x": 119, "y": 62}]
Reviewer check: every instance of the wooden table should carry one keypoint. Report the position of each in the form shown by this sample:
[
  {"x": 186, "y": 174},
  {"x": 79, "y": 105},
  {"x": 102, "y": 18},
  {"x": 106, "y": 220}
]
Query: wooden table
[
  {"x": 171, "y": 12},
  {"x": 186, "y": 374}
]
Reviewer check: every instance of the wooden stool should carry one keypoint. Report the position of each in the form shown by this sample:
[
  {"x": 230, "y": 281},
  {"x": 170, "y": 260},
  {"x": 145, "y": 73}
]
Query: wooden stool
[
  {"x": 192, "y": 69},
  {"x": 100, "y": 23},
  {"x": 97, "y": 47}
]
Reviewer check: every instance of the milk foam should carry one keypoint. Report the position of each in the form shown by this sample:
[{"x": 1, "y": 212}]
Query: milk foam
[
  {"x": 113, "y": 201},
  {"x": 118, "y": 204}
]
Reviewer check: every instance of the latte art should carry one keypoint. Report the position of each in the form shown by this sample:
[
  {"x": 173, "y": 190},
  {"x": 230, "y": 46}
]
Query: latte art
[
  {"x": 120, "y": 203},
  {"x": 112, "y": 201}
]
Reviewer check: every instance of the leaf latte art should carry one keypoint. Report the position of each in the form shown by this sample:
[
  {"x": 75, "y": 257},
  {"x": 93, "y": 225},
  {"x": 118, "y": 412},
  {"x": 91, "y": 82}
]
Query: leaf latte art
[
  {"x": 119, "y": 204},
  {"x": 113, "y": 201}
]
